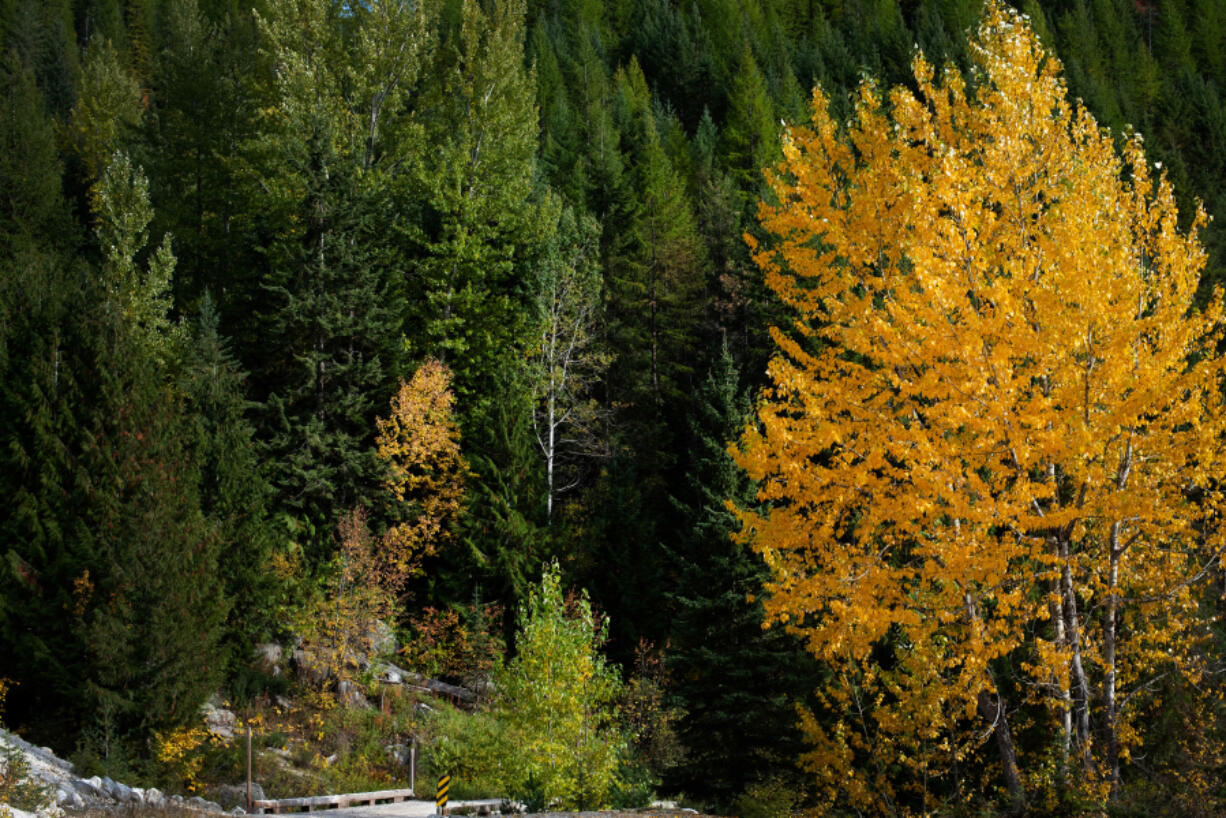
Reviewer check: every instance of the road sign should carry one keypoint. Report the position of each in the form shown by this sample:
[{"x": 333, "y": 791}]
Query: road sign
[{"x": 440, "y": 798}]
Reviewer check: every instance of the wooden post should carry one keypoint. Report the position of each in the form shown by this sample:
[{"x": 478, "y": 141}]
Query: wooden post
[
  {"x": 413, "y": 764},
  {"x": 248, "y": 767}
]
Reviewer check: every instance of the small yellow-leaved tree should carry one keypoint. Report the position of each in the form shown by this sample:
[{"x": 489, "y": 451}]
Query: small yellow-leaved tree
[
  {"x": 987, "y": 460},
  {"x": 419, "y": 442}
]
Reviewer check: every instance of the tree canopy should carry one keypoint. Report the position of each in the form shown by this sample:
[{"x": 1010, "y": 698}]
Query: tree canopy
[{"x": 990, "y": 453}]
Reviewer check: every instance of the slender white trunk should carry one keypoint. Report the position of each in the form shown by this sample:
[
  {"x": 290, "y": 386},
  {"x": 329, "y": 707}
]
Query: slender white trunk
[{"x": 1109, "y": 640}]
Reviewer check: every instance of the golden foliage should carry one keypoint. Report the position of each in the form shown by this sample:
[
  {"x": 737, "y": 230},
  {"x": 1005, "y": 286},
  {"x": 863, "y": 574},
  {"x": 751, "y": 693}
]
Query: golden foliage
[
  {"x": 341, "y": 630},
  {"x": 994, "y": 429},
  {"x": 180, "y": 751},
  {"x": 420, "y": 443}
]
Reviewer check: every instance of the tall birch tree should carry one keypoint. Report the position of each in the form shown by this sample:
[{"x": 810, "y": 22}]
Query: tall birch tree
[{"x": 569, "y": 359}]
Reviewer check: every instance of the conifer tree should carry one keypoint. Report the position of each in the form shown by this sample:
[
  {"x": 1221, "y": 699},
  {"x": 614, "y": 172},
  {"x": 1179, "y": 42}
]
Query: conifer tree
[
  {"x": 41, "y": 333},
  {"x": 234, "y": 491},
  {"x": 332, "y": 339},
  {"x": 149, "y": 584},
  {"x": 465, "y": 301},
  {"x": 204, "y": 86},
  {"x": 735, "y": 683},
  {"x": 749, "y": 138}
]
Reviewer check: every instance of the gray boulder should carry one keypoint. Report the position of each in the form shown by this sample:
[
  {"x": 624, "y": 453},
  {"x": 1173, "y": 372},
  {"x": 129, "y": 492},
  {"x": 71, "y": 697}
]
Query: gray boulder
[
  {"x": 218, "y": 720},
  {"x": 235, "y": 795},
  {"x": 69, "y": 798},
  {"x": 154, "y": 797},
  {"x": 122, "y": 792},
  {"x": 268, "y": 656},
  {"x": 91, "y": 787}
]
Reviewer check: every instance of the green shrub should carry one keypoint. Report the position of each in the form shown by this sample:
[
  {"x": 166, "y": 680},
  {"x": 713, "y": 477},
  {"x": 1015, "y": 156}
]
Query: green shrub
[
  {"x": 768, "y": 799},
  {"x": 635, "y": 785},
  {"x": 470, "y": 747}
]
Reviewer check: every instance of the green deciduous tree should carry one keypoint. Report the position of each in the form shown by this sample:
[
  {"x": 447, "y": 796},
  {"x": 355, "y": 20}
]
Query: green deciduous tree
[
  {"x": 569, "y": 359},
  {"x": 556, "y": 699}
]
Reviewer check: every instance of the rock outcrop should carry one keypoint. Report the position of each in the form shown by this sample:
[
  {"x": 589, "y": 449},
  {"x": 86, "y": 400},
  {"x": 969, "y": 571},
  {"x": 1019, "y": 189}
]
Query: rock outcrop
[{"x": 70, "y": 792}]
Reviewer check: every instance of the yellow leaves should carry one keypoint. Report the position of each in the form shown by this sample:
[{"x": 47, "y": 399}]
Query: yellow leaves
[
  {"x": 180, "y": 751},
  {"x": 1004, "y": 324},
  {"x": 420, "y": 444}
]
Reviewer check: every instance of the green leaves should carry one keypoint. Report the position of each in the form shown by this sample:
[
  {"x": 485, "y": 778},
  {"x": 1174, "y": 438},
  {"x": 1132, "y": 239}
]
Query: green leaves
[
  {"x": 556, "y": 697},
  {"x": 142, "y": 297}
]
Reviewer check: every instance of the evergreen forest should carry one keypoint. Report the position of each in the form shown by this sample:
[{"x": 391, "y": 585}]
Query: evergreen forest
[{"x": 480, "y": 322}]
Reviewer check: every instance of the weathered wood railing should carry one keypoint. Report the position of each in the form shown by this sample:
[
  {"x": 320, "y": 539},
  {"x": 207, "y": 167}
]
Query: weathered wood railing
[{"x": 316, "y": 803}]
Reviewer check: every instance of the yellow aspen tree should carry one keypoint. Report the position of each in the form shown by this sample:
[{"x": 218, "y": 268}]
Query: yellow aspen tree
[
  {"x": 419, "y": 442},
  {"x": 993, "y": 431}
]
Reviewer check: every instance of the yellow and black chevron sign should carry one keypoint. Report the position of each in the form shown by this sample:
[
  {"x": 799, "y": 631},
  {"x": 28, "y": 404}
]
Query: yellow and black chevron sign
[{"x": 440, "y": 799}]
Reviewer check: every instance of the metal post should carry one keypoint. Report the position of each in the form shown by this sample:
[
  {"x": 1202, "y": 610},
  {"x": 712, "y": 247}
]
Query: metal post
[
  {"x": 248, "y": 768},
  {"x": 413, "y": 765},
  {"x": 440, "y": 796}
]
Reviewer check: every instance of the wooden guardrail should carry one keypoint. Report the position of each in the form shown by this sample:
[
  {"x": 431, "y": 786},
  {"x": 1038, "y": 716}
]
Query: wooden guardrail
[{"x": 316, "y": 803}]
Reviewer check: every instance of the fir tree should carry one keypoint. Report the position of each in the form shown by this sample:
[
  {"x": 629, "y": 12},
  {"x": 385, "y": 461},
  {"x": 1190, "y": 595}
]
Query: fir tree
[
  {"x": 750, "y": 137},
  {"x": 331, "y": 338},
  {"x": 234, "y": 492},
  {"x": 466, "y": 304},
  {"x": 734, "y": 682}
]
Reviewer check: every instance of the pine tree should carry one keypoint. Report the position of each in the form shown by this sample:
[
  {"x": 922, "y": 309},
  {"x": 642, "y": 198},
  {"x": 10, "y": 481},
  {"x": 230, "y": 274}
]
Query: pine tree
[
  {"x": 466, "y": 303},
  {"x": 332, "y": 340},
  {"x": 735, "y": 683},
  {"x": 234, "y": 491}
]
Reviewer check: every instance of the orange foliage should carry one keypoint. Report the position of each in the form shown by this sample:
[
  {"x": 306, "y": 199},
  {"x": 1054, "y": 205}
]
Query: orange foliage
[
  {"x": 463, "y": 646},
  {"x": 993, "y": 433},
  {"x": 420, "y": 443},
  {"x": 343, "y": 630}
]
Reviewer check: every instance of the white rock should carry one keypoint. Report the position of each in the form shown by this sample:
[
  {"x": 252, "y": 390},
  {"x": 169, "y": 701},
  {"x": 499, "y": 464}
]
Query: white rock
[
  {"x": 219, "y": 721},
  {"x": 69, "y": 798},
  {"x": 154, "y": 797},
  {"x": 268, "y": 657}
]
